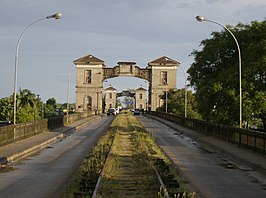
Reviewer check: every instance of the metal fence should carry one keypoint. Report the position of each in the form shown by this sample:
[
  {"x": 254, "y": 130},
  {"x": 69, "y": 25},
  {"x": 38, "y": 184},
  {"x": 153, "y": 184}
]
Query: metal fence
[
  {"x": 250, "y": 139},
  {"x": 11, "y": 133}
]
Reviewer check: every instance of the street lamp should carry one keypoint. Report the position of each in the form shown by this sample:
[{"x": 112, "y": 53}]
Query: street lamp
[
  {"x": 166, "y": 98},
  {"x": 185, "y": 90},
  {"x": 201, "y": 19},
  {"x": 54, "y": 16},
  {"x": 85, "y": 101},
  {"x": 68, "y": 90}
]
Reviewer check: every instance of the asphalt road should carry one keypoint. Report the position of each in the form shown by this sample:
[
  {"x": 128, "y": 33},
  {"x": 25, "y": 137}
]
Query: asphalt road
[
  {"x": 210, "y": 174},
  {"x": 46, "y": 173}
]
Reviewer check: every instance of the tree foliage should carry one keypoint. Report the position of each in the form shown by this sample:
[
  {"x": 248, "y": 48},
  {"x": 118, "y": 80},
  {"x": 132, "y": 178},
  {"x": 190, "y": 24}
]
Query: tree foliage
[
  {"x": 176, "y": 103},
  {"x": 6, "y": 109},
  {"x": 128, "y": 102},
  {"x": 215, "y": 74},
  {"x": 26, "y": 106},
  {"x": 29, "y": 107},
  {"x": 50, "y": 108}
]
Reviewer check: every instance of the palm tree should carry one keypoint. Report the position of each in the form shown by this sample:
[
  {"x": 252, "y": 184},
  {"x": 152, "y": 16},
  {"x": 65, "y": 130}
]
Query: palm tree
[
  {"x": 26, "y": 106},
  {"x": 26, "y": 98}
]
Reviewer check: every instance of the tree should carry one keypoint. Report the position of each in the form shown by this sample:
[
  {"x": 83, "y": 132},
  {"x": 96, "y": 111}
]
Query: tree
[
  {"x": 51, "y": 102},
  {"x": 6, "y": 108},
  {"x": 128, "y": 102},
  {"x": 29, "y": 107},
  {"x": 176, "y": 103},
  {"x": 214, "y": 74},
  {"x": 26, "y": 98},
  {"x": 50, "y": 108},
  {"x": 118, "y": 103},
  {"x": 26, "y": 106}
]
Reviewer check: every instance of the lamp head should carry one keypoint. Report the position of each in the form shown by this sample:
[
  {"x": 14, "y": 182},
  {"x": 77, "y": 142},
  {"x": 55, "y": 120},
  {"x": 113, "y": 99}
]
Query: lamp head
[
  {"x": 57, "y": 15},
  {"x": 200, "y": 18}
]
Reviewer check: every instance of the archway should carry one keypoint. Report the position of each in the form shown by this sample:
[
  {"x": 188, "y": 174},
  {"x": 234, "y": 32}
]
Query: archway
[{"x": 160, "y": 75}]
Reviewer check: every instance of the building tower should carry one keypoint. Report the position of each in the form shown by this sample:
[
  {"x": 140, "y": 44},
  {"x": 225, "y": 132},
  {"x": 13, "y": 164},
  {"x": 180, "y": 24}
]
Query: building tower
[
  {"x": 89, "y": 83},
  {"x": 141, "y": 98},
  {"x": 110, "y": 98},
  {"x": 162, "y": 78}
]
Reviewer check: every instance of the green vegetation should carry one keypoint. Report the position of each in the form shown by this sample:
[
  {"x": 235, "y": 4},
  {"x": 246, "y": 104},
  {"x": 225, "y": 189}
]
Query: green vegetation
[
  {"x": 84, "y": 181},
  {"x": 129, "y": 168},
  {"x": 29, "y": 107},
  {"x": 127, "y": 172},
  {"x": 176, "y": 103},
  {"x": 215, "y": 75},
  {"x": 128, "y": 102}
]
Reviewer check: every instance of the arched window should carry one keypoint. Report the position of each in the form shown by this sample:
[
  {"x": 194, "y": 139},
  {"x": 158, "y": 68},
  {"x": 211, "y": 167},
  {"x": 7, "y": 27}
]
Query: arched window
[
  {"x": 89, "y": 103},
  {"x": 140, "y": 96}
]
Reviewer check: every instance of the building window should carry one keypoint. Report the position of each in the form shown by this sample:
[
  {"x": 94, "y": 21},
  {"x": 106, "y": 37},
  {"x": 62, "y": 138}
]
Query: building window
[
  {"x": 89, "y": 102},
  {"x": 87, "y": 76},
  {"x": 164, "y": 77},
  {"x": 161, "y": 102},
  {"x": 110, "y": 95},
  {"x": 110, "y": 105},
  {"x": 140, "y": 96}
]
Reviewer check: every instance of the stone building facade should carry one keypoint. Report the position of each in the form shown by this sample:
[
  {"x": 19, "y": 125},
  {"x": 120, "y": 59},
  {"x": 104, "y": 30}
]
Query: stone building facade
[
  {"x": 110, "y": 98},
  {"x": 92, "y": 71},
  {"x": 141, "y": 98},
  {"x": 89, "y": 75}
]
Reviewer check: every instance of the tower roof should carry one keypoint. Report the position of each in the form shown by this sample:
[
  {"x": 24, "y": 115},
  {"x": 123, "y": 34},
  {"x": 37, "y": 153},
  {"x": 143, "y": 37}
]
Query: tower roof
[
  {"x": 88, "y": 59},
  {"x": 110, "y": 89},
  {"x": 164, "y": 60},
  {"x": 141, "y": 89}
]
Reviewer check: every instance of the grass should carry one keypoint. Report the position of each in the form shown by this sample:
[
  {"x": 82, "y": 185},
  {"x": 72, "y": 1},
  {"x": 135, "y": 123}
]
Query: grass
[
  {"x": 84, "y": 181},
  {"x": 129, "y": 169}
]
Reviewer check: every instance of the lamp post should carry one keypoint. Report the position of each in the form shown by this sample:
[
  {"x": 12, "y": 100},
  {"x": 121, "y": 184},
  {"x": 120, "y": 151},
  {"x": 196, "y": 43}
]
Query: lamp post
[
  {"x": 85, "y": 102},
  {"x": 54, "y": 16},
  {"x": 201, "y": 19},
  {"x": 68, "y": 90},
  {"x": 98, "y": 91},
  {"x": 166, "y": 98},
  {"x": 185, "y": 90}
]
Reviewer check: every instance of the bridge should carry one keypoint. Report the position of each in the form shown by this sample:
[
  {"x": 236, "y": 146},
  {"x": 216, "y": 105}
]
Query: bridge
[{"x": 204, "y": 153}]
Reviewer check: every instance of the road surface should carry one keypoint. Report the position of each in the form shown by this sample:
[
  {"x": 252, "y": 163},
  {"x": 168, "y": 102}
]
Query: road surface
[
  {"x": 46, "y": 173},
  {"x": 211, "y": 175}
]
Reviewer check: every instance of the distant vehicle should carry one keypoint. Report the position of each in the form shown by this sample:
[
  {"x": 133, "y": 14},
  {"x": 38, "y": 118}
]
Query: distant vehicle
[
  {"x": 5, "y": 123},
  {"x": 136, "y": 112},
  {"x": 111, "y": 111}
]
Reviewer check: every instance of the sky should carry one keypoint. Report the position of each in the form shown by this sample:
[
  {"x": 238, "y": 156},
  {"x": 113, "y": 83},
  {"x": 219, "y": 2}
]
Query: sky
[{"x": 112, "y": 30}]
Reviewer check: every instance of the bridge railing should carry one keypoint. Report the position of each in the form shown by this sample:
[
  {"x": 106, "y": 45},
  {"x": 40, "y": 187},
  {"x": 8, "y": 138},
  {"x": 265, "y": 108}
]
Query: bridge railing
[
  {"x": 250, "y": 139},
  {"x": 11, "y": 133}
]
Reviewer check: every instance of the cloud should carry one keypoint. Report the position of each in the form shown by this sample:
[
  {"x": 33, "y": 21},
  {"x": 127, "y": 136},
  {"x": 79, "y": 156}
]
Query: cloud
[{"x": 113, "y": 30}]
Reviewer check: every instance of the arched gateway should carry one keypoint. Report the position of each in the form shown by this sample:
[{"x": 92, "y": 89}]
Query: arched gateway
[{"x": 92, "y": 71}]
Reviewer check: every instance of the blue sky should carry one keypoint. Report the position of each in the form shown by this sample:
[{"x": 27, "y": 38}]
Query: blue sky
[{"x": 112, "y": 30}]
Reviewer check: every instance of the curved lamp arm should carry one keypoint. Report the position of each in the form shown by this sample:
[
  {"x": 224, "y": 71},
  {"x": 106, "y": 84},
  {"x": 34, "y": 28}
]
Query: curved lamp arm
[
  {"x": 55, "y": 16},
  {"x": 201, "y": 19}
]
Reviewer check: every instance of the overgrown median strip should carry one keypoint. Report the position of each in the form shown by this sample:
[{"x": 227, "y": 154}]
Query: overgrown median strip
[
  {"x": 128, "y": 172},
  {"x": 129, "y": 169}
]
